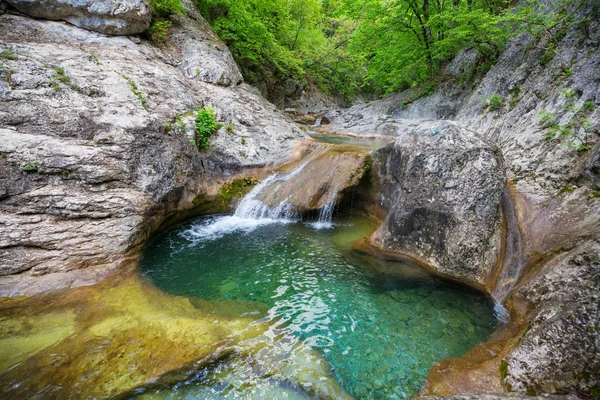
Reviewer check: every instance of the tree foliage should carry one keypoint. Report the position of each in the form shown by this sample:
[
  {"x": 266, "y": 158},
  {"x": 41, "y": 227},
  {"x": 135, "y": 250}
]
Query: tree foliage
[{"x": 373, "y": 46}]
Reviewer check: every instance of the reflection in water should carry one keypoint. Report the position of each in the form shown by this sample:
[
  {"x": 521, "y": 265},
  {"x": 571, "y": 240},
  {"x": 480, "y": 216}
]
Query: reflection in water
[{"x": 323, "y": 307}]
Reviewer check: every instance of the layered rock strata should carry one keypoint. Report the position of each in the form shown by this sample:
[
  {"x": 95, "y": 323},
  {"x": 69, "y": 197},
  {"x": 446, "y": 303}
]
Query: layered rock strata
[{"x": 96, "y": 144}]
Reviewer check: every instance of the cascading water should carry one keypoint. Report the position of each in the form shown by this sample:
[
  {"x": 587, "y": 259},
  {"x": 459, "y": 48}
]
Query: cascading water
[
  {"x": 514, "y": 262},
  {"x": 325, "y": 220},
  {"x": 252, "y": 213},
  {"x": 317, "y": 122}
]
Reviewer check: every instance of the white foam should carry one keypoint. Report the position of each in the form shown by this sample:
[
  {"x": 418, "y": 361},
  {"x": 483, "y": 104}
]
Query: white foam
[
  {"x": 220, "y": 226},
  {"x": 249, "y": 215},
  {"x": 318, "y": 225}
]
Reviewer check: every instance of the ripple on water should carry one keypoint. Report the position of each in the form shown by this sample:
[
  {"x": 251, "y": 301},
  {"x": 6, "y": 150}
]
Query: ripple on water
[{"x": 381, "y": 334}]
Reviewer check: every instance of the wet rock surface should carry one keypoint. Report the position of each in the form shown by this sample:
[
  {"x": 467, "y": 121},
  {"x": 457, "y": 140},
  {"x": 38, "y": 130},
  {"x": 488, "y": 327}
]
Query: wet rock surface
[
  {"x": 326, "y": 174},
  {"x": 92, "y": 156},
  {"x": 441, "y": 186},
  {"x": 113, "y": 17},
  {"x": 560, "y": 348},
  {"x": 555, "y": 196}
]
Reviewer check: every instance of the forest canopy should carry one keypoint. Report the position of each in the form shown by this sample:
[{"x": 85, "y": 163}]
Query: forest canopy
[{"x": 348, "y": 47}]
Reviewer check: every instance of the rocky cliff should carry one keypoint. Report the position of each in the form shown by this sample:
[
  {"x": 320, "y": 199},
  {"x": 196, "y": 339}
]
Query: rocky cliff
[
  {"x": 95, "y": 139},
  {"x": 542, "y": 114}
]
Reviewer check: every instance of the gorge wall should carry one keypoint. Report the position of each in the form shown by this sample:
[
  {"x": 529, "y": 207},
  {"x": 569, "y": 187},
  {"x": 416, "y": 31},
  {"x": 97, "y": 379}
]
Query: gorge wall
[
  {"x": 552, "y": 198},
  {"x": 92, "y": 156},
  {"x": 95, "y": 154}
]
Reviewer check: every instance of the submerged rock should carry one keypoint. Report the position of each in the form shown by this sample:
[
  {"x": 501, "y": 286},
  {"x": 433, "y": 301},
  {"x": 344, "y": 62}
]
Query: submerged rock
[
  {"x": 114, "y": 17},
  {"x": 441, "y": 186},
  {"x": 98, "y": 342}
]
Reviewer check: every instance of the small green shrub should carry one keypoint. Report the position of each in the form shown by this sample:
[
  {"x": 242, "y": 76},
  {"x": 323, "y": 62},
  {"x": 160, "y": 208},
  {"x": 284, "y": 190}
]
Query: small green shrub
[
  {"x": 548, "y": 55},
  {"x": 546, "y": 118},
  {"x": 575, "y": 128},
  {"x": 243, "y": 141},
  {"x": 162, "y": 10},
  {"x": 229, "y": 127},
  {"x": 589, "y": 106},
  {"x": 166, "y": 8},
  {"x": 206, "y": 125},
  {"x": 159, "y": 30},
  {"x": 30, "y": 167},
  {"x": 494, "y": 102},
  {"x": 8, "y": 54}
]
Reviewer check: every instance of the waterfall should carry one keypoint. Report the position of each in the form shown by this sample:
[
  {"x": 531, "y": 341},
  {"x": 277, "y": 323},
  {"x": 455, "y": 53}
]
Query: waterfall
[
  {"x": 252, "y": 208},
  {"x": 514, "y": 261},
  {"x": 250, "y": 214},
  {"x": 317, "y": 122},
  {"x": 326, "y": 215}
]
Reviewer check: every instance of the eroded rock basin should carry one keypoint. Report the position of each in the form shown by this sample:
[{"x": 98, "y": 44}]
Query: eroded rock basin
[
  {"x": 256, "y": 311},
  {"x": 380, "y": 334}
]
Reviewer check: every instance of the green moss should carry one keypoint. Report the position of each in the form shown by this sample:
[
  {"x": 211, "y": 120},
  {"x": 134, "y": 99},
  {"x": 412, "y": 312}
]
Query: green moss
[
  {"x": 136, "y": 91},
  {"x": 593, "y": 194},
  {"x": 503, "y": 369},
  {"x": 568, "y": 188},
  {"x": 236, "y": 189},
  {"x": 595, "y": 392}
]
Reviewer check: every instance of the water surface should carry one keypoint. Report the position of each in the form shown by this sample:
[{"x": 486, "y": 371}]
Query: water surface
[
  {"x": 380, "y": 334},
  {"x": 358, "y": 143}
]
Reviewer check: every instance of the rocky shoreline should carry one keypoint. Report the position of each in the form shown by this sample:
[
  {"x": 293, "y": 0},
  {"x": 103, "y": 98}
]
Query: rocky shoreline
[{"x": 95, "y": 156}]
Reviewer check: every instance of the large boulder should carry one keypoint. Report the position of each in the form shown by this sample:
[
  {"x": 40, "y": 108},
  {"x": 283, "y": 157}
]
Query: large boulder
[
  {"x": 441, "y": 186},
  {"x": 95, "y": 149},
  {"x": 113, "y": 17},
  {"x": 561, "y": 348}
]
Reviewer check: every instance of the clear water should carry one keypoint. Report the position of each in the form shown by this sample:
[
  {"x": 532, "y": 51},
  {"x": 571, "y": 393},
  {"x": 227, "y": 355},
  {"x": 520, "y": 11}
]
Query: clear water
[
  {"x": 379, "y": 333},
  {"x": 357, "y": 143}
]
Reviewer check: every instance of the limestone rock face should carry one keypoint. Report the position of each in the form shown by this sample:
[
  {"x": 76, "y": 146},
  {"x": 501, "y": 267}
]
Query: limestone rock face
[
  {"x": 561, "y": 348},
  {"x": 441, "y": 186},
  {"x": 203, "y": 55},
  {"x": 92, "y": 157},
  {"x": 113, "y": 17},
  {"x": 319, "y": 181}
]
